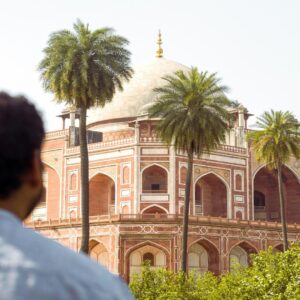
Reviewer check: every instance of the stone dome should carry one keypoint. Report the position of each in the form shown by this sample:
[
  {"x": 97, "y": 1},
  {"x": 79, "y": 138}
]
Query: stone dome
[{"x": 138, "y": 92}]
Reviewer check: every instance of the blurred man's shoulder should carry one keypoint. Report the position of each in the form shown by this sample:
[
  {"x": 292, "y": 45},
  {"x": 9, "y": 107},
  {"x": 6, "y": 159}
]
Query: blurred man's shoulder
[
  {"x": 76, "y": 268},
  {"x": 34, "y": 256}
]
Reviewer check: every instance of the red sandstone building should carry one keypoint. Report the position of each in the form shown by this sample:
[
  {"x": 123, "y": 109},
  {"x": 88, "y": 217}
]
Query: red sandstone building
[{"x": 137, "y": 190}]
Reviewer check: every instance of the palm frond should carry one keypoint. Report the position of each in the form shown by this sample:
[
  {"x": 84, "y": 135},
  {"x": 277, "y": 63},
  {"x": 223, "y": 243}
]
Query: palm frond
[
  {"x": 85, "y": 67},
  {"x": 192, "y": 111},
  {"x": 277, "y": 139}
]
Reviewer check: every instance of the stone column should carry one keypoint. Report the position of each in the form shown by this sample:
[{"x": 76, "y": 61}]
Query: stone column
[
  {"x": 241, "y": 141},
  {"x": 172, "y": 180},
  {"x": 136, "y": 169}
]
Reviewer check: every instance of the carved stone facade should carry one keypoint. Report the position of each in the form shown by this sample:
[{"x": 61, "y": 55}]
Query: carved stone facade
[{"x": 137, "y": 186}]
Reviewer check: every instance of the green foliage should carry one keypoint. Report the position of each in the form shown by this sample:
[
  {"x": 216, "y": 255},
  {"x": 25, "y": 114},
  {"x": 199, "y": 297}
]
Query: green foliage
[
  {"x": 162, "y": 284},
  {"x": 85, "y": 67},
  {"x": 277, "y": 138},
  {"x": 272, "y": 275}
]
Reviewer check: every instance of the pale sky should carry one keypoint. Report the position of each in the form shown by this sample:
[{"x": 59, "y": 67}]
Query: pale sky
[{"x": 253, "y": 45}]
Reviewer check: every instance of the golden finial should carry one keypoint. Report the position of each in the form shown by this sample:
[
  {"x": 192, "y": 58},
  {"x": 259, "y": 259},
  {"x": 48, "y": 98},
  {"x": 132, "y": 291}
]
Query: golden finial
[{"x": 160, "y": 51}]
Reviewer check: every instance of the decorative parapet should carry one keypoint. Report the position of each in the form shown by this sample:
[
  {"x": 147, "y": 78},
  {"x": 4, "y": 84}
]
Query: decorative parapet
[
  {"x": 228, "y": 148},
  {"x": 56, "y": 134},
  {"x": 102, "y": 145},
  {"x": 150, "y": 139},
  {"x": 223, "y": 148}
]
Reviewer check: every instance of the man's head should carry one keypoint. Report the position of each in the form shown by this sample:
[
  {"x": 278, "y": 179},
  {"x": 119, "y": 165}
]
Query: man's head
[{"x": 21, "y": 136}]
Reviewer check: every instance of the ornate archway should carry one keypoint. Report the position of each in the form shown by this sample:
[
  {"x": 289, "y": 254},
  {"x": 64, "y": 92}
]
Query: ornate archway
[
  {"x": 48, "y": 208},
  {"x": 240, "y": 255},
  {"x": 210, "y": 197},
  {"x": 203, "y": 256},
  {"x": 102, "y": 195},
  {"x": 99, "y": 253},
  {"x": 154, "y": 180},
  {"x": 265, "y": 195},
  {"x": 154, "y": 209},
  {"x": 154, "y": 255}
]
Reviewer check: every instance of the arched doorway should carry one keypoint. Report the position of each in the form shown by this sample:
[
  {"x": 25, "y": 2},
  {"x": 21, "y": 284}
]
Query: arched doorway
[
  {"x": 48, "y": 207},
  {"x": 266, "y": 202},
  {"x": 210, "y": 196},
  {"x": 102, "y": 195},
  {"x": 240, "y": 256},
  {"x": 155, "y": 180},
  {"x": 99, "y": 253},
  {"x": 198, "y": 259},
  {"x": 154, "y": 209},
  {"x": 202, "y": 257},
  {"x": 292, "y": 195},
  {"x": 278, "y": 248},
  {"x": 155, "y": 257},
  {"x": 266, "y": 198}
]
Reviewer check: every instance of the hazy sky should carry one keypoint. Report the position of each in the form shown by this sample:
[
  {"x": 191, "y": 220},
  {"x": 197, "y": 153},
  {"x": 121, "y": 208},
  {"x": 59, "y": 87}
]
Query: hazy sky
[{"x": 253, "y": 45}]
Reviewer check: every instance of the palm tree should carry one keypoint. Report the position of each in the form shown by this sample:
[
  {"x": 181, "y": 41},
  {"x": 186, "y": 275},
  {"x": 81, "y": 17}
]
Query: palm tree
[
  {"x": 84, "y": 68},
  {"x": 193, "y": 119},
  {"x": 276, "y": 141}
]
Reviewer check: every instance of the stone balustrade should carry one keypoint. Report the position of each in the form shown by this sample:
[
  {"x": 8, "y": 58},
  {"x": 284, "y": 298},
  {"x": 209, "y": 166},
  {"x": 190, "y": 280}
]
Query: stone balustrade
[
  {"x": 102, "y": 145},
  {"x": 56, "y": 134}
]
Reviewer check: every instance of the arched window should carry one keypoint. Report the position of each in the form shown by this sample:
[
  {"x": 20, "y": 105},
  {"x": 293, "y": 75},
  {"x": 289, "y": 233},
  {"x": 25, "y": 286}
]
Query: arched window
[
  {"x": 155, "y": 256},
  {"x": 238, "y": 182},
  {"x": 40, "y": 211},
  {"x": 126, "y": 174},
  {"x": 112, "y": 194},
  {"x": 198, "y": 199},
  {"x": 148, "y": 256},
  {"x": 155, "y": 180},
  {"x": 198, "y": 259},
  {"x": 73, "y": 182},
  {"x": 238, "y": 257},
  {"x": 239, "y": 215},
  {"x": 278, "y": 248},
  {"x": 183, "y": 172},
  {"x": 259, "y": 200},
  {"x": 99, "y": 254},
  {"x": 198, "y": 195},
  {"x": 42, "y": 203},
  {"x": 125, "y": 209},
  {"x": 154, "y": 210},
  {"x": 72, "y": 214},
  {"x": 102, "y": 195},
  {"x": 211, "y": 192}
]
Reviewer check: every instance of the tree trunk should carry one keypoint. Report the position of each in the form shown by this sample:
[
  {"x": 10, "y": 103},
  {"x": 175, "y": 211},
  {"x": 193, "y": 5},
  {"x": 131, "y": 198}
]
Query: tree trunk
[
  {"x": 84, "y": 174},
  {"x": 282, "y": 208},
  {"x": 186, "y": 211}
]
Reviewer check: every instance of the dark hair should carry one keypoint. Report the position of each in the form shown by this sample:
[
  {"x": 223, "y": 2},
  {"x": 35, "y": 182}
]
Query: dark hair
[{"x": 21, "y": 134}]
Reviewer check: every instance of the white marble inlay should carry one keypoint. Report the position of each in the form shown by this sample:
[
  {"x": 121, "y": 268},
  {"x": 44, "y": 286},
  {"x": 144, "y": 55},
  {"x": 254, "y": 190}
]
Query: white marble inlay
[
  {"x": 125, "y": 192},
  {"x": 155, "y": 197},
  {"x": 239, "y": 198},
  {"x": 154, "y": 151}
]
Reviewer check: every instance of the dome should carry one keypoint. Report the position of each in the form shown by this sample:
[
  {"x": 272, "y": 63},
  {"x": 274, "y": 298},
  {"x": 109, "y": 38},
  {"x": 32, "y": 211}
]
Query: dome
[{"x": 138, "y": 92}]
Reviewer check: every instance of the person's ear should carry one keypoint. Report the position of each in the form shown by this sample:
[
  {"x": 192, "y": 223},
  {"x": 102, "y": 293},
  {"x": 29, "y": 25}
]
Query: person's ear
[{"x": 36, "y": 170}]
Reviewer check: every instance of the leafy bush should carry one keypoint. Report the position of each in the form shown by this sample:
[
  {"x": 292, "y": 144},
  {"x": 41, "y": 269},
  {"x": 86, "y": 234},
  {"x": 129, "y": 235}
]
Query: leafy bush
[
  {"x": 165, "y": 285},
  {"x": 272, "y": 275}
]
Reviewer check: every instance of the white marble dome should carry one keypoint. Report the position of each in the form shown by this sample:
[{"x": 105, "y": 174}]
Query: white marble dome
[{"x": 138, "y": 92}]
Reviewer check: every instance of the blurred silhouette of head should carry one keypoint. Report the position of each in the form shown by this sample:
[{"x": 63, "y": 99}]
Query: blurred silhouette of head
[{"x": 21, "y": 136}]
